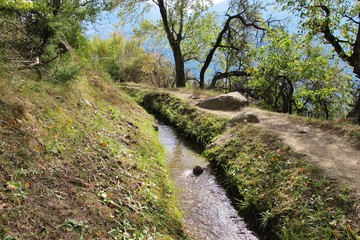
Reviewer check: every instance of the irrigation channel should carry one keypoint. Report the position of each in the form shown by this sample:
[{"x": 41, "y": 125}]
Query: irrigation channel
[{"x": 208, "y": 213}]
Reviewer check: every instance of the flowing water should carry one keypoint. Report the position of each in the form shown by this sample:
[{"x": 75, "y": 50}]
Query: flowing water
[{"x": 208, "y": 213}]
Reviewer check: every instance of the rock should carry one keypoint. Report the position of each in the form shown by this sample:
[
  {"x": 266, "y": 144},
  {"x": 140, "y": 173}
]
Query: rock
[
  {"x": 85, "y": 102},
  {"x": 226, "y": 102},
  {"x": 198, "y": 170},
  {"x": 221, "y": 140},
  {"x": 244, "y": 117},
  {"x": 195, "y": 96}
]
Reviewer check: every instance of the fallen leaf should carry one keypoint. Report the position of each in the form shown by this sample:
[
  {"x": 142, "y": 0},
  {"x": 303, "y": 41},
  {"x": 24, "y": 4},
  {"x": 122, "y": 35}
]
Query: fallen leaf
[
  {"x": 111, "y": 204},
  {"x": 348, "y": 227},
  {"x": 336, "y": 233},
  {"x": 11, "y": 187},
  {"x": 39, "y": 149}
]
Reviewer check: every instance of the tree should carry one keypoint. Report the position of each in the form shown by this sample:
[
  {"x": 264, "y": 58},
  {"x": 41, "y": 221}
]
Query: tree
[
  {"x": 179, "y": 20},
  {"x": 48, "y": 28},
  {"x": 292, "y": 76},
  {"x": 235, "y": 40},
  {"x": 337, "y": 22}
]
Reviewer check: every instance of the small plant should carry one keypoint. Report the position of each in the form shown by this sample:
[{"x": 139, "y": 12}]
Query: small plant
[
  {"x": 63, "y": 74},
  {"x": 264, "y": 218}
]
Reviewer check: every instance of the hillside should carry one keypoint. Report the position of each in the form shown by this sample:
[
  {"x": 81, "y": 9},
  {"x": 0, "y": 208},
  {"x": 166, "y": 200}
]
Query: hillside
[{"x": 80, "y": 160}]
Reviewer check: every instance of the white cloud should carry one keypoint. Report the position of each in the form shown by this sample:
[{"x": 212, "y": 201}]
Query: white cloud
[{"x": 218, "y": 1}]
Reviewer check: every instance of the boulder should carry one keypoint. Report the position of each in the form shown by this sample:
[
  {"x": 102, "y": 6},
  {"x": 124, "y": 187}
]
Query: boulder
[
  {"x": 197, "y": 171},
  {"x": 226, "y": 102},
  {"x": 244, "y": 117}
]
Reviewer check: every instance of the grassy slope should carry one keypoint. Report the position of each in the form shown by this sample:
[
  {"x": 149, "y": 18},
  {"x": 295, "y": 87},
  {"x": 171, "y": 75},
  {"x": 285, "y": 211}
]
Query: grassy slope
[
  {"x": 80, "y": 161},
  {"x": 284, "y": 196},
  {"x": 289, "y": 198}
]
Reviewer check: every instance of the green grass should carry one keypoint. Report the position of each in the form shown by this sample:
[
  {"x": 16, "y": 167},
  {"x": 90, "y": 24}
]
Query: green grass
[{"x": 80, "y": 160}]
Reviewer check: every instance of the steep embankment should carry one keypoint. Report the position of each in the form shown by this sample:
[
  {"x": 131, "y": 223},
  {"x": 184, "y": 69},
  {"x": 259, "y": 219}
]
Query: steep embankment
[
  {"x": 80, "y": 161},
  {"x": 278, "y": 189}
]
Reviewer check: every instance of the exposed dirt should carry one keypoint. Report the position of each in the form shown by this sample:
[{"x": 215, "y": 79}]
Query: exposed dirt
[{"x": 337, "y": 156}]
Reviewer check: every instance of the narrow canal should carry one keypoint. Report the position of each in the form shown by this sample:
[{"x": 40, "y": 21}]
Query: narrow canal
[{"x": 208, "y": 213}]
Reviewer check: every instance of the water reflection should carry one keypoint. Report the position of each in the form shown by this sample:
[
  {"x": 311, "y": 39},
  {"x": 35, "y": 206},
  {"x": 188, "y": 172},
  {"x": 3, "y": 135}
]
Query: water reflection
[{"x": 208, "y": 213}]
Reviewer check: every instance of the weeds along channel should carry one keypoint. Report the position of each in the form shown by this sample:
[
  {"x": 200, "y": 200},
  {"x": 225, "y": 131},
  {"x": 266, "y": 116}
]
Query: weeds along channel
[{"x": 274, "y": 188}]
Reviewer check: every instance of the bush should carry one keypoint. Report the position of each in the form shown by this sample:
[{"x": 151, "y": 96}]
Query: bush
[
  {"x": 63, "y": 74},
  {"x": 125, "y": 60}
]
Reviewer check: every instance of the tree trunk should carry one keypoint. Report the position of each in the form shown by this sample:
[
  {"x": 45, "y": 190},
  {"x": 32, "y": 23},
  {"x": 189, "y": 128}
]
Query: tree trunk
[
  {"x": 287, "y": 103},
  {"x": 287, "y": 95},
  {"x": 354, "y": 115},
  {"x": 179, "y": 66},
  {"x": 222, "y": 75},
  {"x": 175, "y": 44}
]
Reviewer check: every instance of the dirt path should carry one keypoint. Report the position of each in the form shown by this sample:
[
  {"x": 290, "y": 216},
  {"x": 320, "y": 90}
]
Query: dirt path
[{"x": 337, "y": 156}]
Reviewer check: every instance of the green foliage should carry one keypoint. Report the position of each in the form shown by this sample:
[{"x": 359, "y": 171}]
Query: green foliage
[
  {"x": 45, "y": 30},
  {"x": 334, "y": 22},
  {"x": 292, "y": 75},
  {"x": 63, "y": 74},
  {"x": 21, "y": 5},
  {"x": 125, "y": 60},
  {"x": 313, "y": 18}
]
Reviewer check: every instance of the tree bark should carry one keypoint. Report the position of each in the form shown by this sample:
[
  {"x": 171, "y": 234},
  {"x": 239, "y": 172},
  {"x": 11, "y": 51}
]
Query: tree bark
[
  {"x": 179, "y": 66},
  {"x": 354, "y": 115}
]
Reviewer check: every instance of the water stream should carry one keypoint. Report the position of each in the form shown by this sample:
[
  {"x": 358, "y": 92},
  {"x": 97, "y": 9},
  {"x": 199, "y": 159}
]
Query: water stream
[{"x": 208, "y": 213}]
